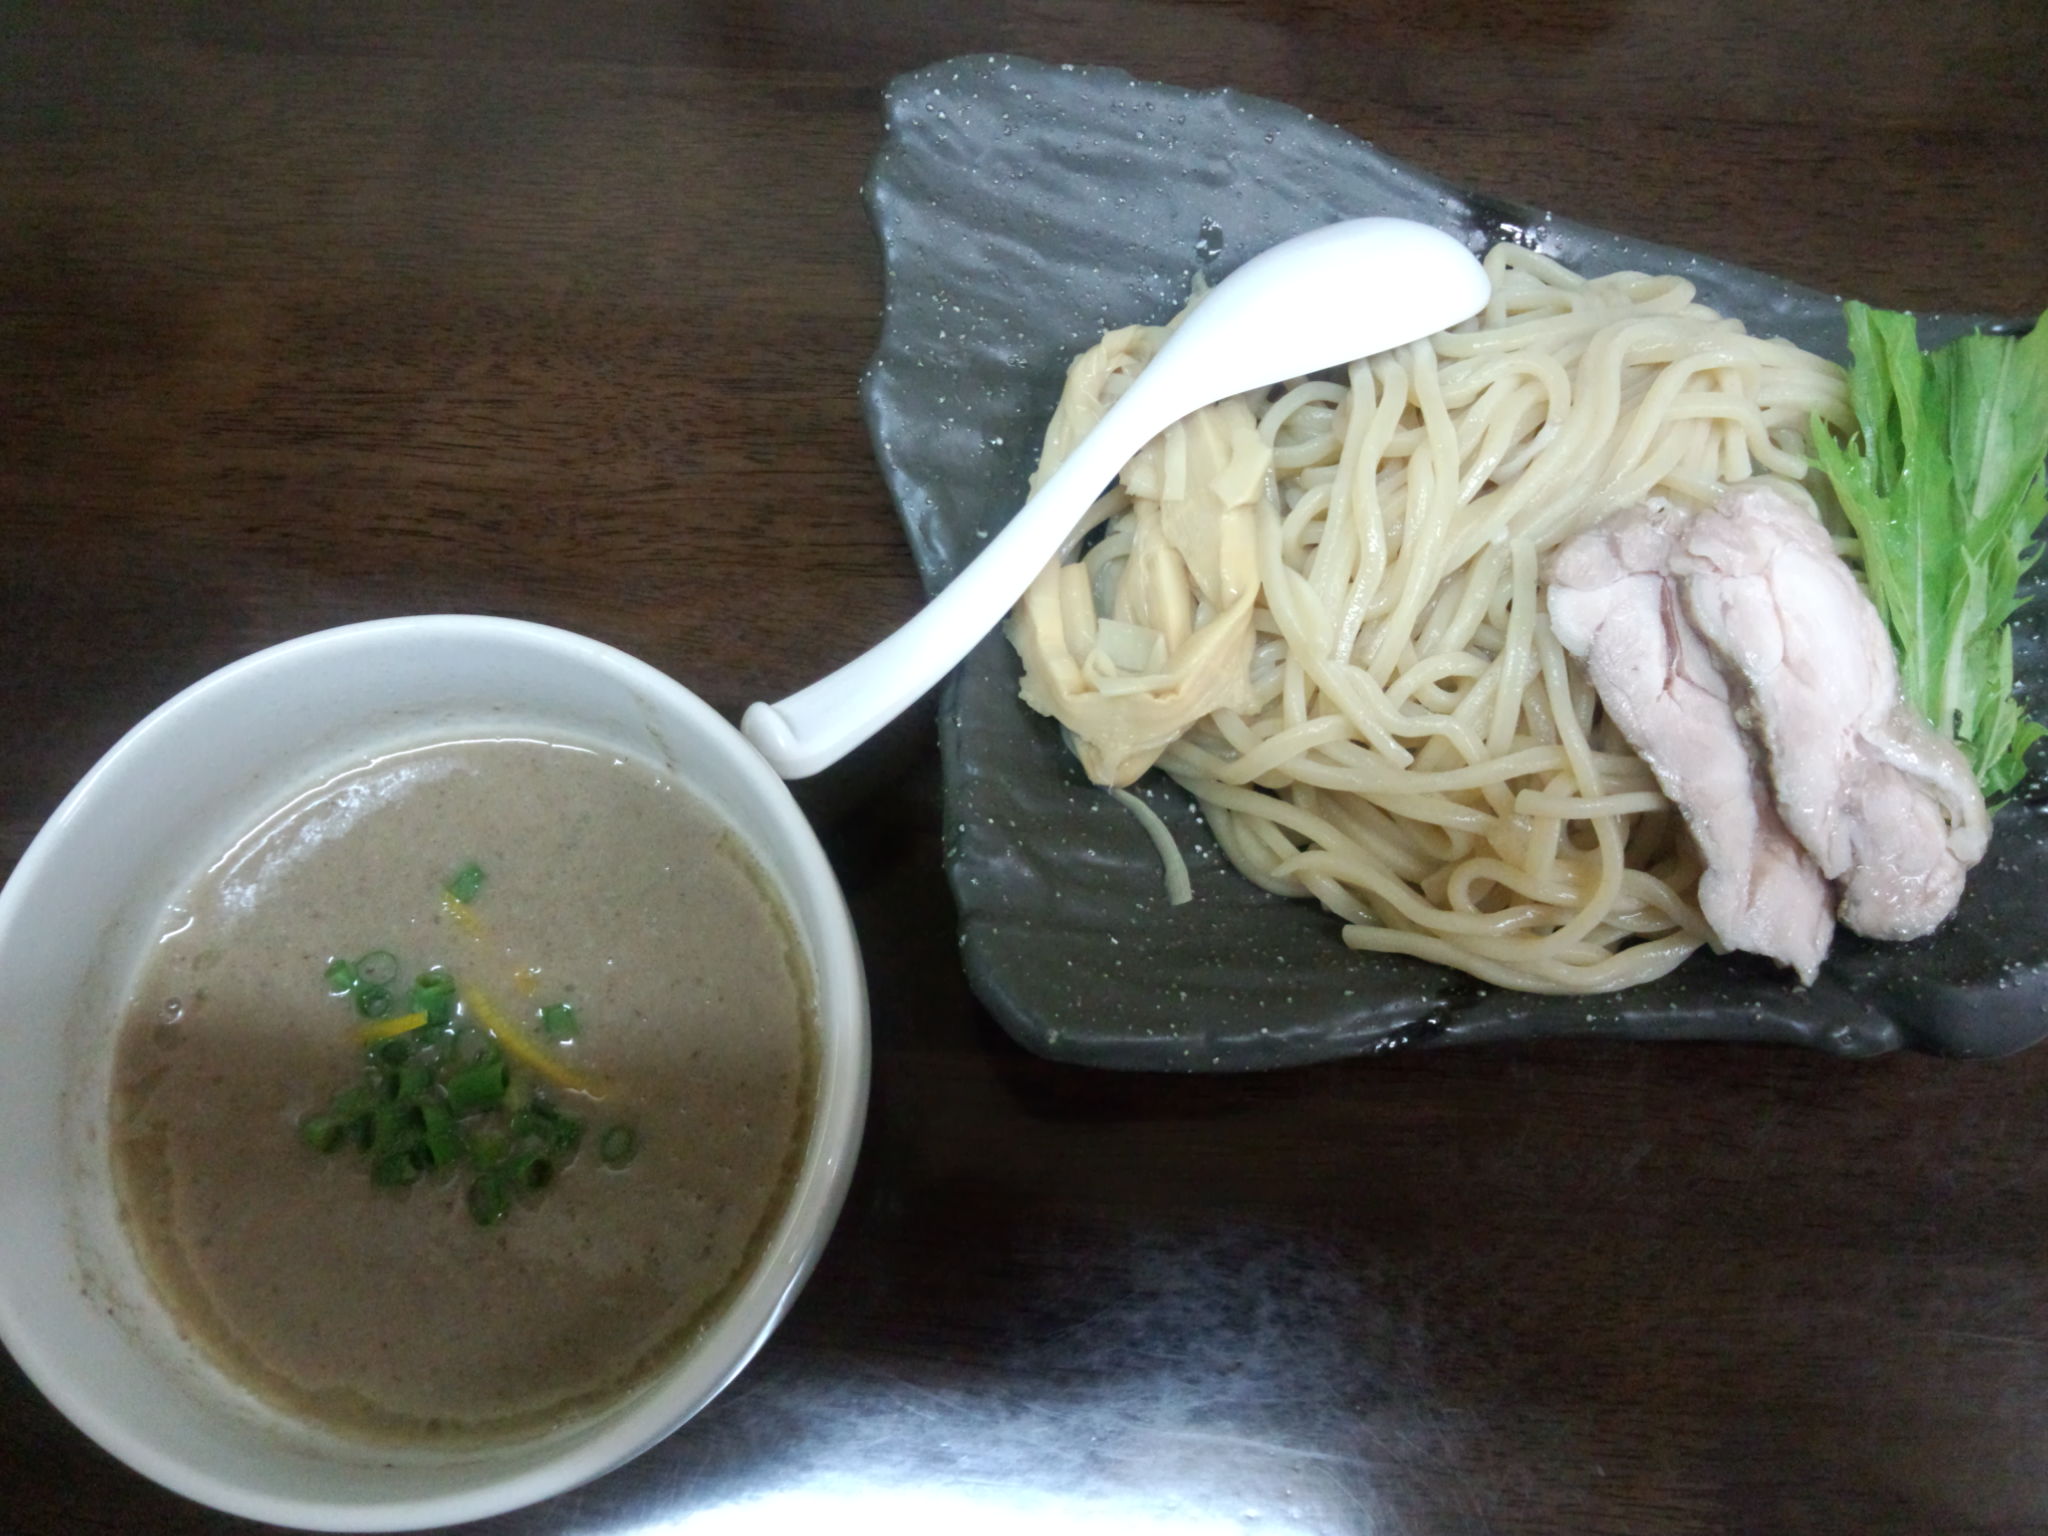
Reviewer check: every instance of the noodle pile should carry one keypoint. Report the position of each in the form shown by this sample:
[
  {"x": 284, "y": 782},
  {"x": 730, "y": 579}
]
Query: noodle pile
[{"x": 1319, "y": 609}]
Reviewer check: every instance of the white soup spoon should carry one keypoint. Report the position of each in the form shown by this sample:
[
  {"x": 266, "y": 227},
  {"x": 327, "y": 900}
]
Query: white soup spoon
[{"x": 1340, "y": 292}]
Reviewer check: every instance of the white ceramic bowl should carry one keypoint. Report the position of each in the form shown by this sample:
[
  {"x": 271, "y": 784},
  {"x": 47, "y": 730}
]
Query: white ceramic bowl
[{"x": 75, "y": 1309}]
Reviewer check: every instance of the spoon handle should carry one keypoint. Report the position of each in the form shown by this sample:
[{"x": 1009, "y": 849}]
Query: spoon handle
[{"x": 812, "y": 729}]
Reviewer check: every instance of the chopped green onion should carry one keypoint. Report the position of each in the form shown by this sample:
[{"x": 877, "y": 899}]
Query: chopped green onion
[
  {"x": 561, "y": 1133},
  {"x": 464, "y": 884},
  {"x": 617, "y": 1146},
  {"x": 446, "y": 1082},
  {"x": 395, "y": 1128},
  {"x": 530, "y": 1170},
  {"x": 350, "y": 1102},
  {"x": 477, "y": 1087},
  {"x": 433, "y": 993},
  {"x": 443, "y": 1141},
  {"x": 518, "y": 1094},
  {"x": 488, "y": 1200}
]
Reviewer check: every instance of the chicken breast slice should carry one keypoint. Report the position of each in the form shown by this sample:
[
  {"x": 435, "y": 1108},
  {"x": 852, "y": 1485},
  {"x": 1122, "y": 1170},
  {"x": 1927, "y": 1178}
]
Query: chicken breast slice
[
  {"x": 1883, "y": 804},
  {"x": 1614, "y": 602}
]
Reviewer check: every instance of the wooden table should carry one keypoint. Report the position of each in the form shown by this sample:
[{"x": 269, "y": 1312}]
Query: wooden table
[{"x": 314, "y": 313}]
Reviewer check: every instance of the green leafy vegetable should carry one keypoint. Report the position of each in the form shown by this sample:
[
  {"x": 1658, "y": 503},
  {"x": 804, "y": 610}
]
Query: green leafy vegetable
[{"x": 1943, "y": 487}]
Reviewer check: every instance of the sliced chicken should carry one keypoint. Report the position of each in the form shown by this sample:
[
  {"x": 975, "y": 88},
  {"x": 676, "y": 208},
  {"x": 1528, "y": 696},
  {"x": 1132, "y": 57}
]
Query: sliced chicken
[
  {"x": 1884, "y": 805},
  {"x": 1614, "y": 602}
]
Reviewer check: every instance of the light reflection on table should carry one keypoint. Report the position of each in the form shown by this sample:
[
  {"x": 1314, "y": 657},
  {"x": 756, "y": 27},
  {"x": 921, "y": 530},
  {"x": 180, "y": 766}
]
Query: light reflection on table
[{"x": 1193, "y": 1383}]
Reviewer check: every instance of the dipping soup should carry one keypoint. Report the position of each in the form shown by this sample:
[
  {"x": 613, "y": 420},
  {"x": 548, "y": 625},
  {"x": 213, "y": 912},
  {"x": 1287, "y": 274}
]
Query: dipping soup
[{"x": 298, "y": 1159}]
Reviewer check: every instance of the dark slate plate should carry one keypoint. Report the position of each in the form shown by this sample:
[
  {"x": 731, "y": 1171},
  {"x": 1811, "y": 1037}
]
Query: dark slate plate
[{"x": 1023, "y": 208}]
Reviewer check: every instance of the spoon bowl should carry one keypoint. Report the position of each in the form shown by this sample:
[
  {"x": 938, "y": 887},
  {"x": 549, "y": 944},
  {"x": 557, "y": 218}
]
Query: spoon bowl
[{"x": 1341, "y": 292}]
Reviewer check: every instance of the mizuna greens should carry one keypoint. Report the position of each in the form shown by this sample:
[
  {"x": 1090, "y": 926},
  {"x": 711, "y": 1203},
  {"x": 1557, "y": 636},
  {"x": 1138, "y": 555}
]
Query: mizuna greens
[{"x": 1943, "y": 488}]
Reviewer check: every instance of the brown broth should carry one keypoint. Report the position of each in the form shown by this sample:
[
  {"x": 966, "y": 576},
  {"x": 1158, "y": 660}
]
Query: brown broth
[{"x": 389, "y": 1314}]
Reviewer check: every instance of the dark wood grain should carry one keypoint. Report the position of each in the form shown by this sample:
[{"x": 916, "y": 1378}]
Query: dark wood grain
[{"x": 313, "y": 313}]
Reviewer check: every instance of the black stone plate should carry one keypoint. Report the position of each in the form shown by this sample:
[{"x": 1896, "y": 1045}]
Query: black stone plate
[{"x": 1024, "y": 208}]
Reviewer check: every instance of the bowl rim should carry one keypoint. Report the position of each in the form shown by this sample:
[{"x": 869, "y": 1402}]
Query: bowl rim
[{"x": 662, "y": 1405}]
